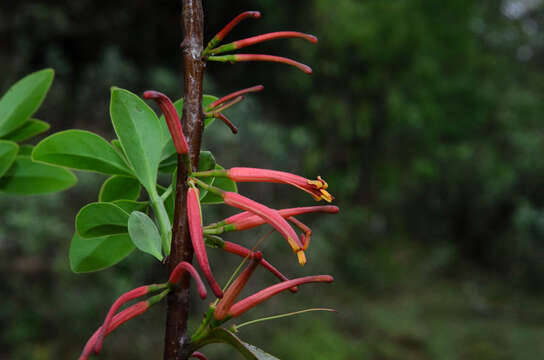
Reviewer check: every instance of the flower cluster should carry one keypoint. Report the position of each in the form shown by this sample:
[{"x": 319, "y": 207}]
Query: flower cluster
[{"x": 227, "y": 305}]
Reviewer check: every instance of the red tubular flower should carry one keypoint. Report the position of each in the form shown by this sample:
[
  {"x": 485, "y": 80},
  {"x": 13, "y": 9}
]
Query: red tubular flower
[
  {"x": 247, "y": 220},
  {"x": 197, "y": 239},
  {"x": 222, "y": 309},
  {"x": 239, "y": 250},
  {"x": 119, "y": 319},
  {"x": 270, "y": 216},
  {"x": 228, "y": 28},
  {"x": 180, "y": 269},
  {"x": 131, "y": 295},
  {"x": 172, "y": 120},
  {"x": 261, "y": 57},
  {"x": 199, "y": 355},
  {"x": 253, "y": 300},
  {"x": 316, "y": 188},
  {"x": 234, "y": 95},
  {"x": 235, "y": 45}
]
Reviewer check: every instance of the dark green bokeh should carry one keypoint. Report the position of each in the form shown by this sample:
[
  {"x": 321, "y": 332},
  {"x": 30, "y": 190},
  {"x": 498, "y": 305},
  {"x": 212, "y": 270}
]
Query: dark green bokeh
[{"x": 423, "y": 116}]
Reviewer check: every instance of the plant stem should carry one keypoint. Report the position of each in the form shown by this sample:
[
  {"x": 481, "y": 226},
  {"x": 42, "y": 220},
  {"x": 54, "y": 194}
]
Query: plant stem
[
  {"x": 164, "y": 222},
  {"x": 177, "y": 341}
]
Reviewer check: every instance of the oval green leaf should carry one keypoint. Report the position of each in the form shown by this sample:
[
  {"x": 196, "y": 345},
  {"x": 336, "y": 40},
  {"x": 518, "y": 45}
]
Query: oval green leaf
[
  {"x": 101, "y": 219},
  {"x": 81, "y": 150},
  {"x": 8, "y": 153},
  {"x": 144, "y": 234},
  {"x": 28, "y": 177},
  {"x": 119, "y": 187},
  {"x": 29, "y": 129},
  {"x": 139, "y": 132},
  {"x": 88, "y": 255},
  {"x": 23, "y": 99},
  {"x": 130, "y": 206},
  {"x": 25, "y": 150}
]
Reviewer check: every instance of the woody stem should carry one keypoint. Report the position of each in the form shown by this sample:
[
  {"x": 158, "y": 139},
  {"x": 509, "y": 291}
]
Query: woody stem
[{"x": 177, "y": 341}]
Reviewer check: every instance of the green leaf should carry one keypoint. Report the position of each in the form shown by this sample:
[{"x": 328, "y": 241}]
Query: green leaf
[
  {"x": 130, "y": 206},
  {"x": 8, "y": 153},
  {"x": 223, "y": 183},
  {"x": 29, "y": 129},
  {"x": 139, "y": 132},
  {"x": 82, "y": 150},
  {"x": 28, "y": 177},
  {"x": 169, "y": 202},
  {"x": 101, "y": 219},
  {"x": 206, "y": 101},
  {"x": 144, "y": 234},
  {"x": 23, "y": 99},
  {"x": 87, "y": 255},
  {"x": 25, "y": 150},
  {"x": 119, "y": 187},
  {"x": 250, "y": 352}
]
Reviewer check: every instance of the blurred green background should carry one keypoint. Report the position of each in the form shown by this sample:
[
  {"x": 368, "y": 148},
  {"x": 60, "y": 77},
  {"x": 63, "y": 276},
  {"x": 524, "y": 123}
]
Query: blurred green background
[{"x": 425, "y": 117}]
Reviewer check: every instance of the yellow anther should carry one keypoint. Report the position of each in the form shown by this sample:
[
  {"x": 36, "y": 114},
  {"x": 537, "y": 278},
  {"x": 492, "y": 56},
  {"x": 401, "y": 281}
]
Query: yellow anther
[
  {"x": 324, "y": 183},
  {"x": 325, "y": 195},
  {"x": 293, "y": 244},
  {"x": 301, "y": 257}
]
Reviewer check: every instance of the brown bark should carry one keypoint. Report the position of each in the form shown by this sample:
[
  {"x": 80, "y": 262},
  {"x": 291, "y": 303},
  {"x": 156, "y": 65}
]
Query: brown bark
[{"x": 177, "y": 340}]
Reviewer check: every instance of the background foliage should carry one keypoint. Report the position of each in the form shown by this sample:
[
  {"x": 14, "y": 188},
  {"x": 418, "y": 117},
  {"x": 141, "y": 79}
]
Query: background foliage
[{"x": 423, "y": 116}]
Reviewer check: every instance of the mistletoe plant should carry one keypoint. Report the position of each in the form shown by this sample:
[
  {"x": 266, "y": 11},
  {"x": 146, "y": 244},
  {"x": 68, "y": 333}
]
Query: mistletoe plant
[{"x": 166, "y": 220}]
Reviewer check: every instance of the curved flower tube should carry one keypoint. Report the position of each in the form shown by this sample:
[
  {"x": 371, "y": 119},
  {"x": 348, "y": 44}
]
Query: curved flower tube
[
  {"x": 260, "y": 57},
  {"x": 253, "y": 300},
  {"x": 131, "y": 295},
  {"x": 180, "y": 269},
  {"x": 197, "y": 239},
  {"x": 172, "y": 119},
  {"x": 235, "y": 45},
  {"x": 316, "y": 188}
]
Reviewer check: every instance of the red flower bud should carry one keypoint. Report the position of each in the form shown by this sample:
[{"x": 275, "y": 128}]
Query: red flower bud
[
  {"x": 244, "y": 252},
  {"x": 228, "y": 28},
  {"x": 183, "y": 267},
  {"x": 119, "y": 319},
  {"x": 253, "y": 300},
  {"x": 235, "y": 45},
  {"x": 247, "y": 220},
  {"x": 131, "y": 295},
  {"x": 172, "y": 120},
  {"x": 197, "y": 239},
  {"x": 260, "y": 57},
  {"x": 222, "y": 309}
]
